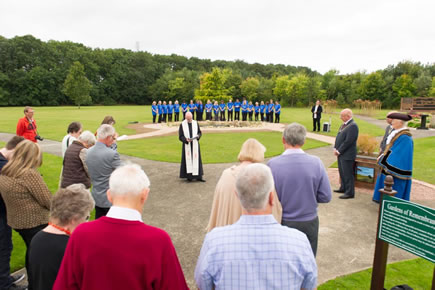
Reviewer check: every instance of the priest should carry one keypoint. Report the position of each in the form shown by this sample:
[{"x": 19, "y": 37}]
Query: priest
[
  {"x": 396, "y": 159},
  {"x": 191, "y": 163}
]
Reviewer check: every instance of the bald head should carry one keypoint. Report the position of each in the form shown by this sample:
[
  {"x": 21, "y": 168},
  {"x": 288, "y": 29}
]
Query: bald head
[
  {"x": 346, "y": 115},
  {"x": 188, "y": 117}
]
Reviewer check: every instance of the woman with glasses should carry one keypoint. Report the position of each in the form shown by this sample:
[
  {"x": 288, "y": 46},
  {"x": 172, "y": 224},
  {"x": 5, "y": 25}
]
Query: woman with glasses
[{"x": 69, "y": 208}]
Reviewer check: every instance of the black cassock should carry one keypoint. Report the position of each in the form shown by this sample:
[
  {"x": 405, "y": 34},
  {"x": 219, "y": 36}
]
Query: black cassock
[{"x": 183, "y": 173}]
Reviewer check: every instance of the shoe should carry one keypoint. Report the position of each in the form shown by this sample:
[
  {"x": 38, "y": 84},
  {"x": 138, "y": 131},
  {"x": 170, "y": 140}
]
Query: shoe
[
  {"x": 345, "y": 196},
  {"x": 202, "y": 180},
  {"x": 189, "y": 180},
  {"x": 375, "y": 201},
  {"x": 18, "y": 278},
  {"x": 339, "y": 190}
]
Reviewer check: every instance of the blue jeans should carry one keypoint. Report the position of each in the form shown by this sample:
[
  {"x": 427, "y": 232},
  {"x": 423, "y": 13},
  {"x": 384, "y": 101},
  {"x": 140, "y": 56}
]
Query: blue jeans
[{"x": 5, "y": 248}]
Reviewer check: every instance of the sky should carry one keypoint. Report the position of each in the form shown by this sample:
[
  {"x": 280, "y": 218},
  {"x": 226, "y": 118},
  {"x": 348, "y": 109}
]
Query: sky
[{"x": 346, "y": 35}]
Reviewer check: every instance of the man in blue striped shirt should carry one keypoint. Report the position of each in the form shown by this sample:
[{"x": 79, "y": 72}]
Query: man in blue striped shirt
[{"x": 256, "y": 252}]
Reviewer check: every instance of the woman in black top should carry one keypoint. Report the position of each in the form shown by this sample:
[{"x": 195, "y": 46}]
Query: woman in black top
[{"x": 69, "y": 208}]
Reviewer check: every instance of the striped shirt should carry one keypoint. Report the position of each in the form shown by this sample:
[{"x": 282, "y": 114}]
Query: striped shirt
[{"x": 256, "y": 253}]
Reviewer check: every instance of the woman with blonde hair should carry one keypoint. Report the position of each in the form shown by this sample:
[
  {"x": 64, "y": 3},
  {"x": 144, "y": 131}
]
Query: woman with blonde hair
[
  {"x": 25, "y": 193},
  {"x": 226, "y": 208}
]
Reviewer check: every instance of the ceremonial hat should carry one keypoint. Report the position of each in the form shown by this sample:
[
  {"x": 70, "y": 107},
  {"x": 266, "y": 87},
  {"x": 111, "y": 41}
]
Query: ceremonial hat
[{"x": 400, "y": 116}]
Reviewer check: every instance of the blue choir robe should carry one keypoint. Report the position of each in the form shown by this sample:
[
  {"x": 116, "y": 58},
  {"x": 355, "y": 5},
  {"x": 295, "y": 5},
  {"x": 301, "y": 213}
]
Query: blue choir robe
[{"x": 397, "y": 162}]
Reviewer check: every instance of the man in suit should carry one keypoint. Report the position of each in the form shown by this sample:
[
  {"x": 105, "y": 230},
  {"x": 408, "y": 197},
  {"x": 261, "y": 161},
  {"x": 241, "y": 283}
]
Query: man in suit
[
  {"x": 317, "y": 114},
  {"x": 345, "y": 150},
  {"x": 388, "y": 130},
  {"x": 102, "y": 161}
]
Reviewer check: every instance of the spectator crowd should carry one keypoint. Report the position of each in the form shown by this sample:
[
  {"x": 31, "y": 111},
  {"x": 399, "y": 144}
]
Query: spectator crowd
[{"x": 262, "y": 231}]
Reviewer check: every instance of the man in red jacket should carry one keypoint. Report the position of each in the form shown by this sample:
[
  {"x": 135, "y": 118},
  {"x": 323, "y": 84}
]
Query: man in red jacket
[
  {"x": 119, "y": 251},
  {"x": 26, "y": 126}
]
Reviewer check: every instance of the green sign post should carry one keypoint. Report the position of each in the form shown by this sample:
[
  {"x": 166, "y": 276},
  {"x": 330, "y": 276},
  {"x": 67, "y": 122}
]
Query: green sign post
[{"x": 408, "y": 226}]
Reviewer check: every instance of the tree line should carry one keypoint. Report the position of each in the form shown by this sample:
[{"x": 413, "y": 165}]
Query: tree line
[{"x": 34, "y": 72}]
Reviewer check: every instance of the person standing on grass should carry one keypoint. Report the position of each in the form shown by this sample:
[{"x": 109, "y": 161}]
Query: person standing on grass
[
  {"x": 277, "y": 111},
  {"x": 26, "y": 195},
  {"x": 165, "y": 111},
  {"x": 176, "y": 111},
  {"x": 170, "y": 111},
  {"x": 192, "y": 108},
  {"x": 230, "y": 107},
  {"x": 271, "y": 107},
  {"x": 237, "y": 110},
  {"x": 208, "y": 109},
  {"x": 257, "y": 111},
  {"x": 184, "y": 109},
  {"x": 244, "y": 110},
  {"x": 160, "y": 110},
  {"x": 262, "y": 107},
  {"x": 216, "y": 111},
  {"x": 317, "y": 115},
  {"x": 200, "y": 111},
  {"x": 7, "y": 281},
  {"x": 154, "y": 111},
  {"x": 222, "y": 110},
  {"x": 26, "y": 126}
]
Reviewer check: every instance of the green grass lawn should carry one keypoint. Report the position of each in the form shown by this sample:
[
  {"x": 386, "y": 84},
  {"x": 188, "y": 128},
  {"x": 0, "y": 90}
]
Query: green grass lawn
[
  {"x": 417, "y": 273},
  {"x": 53, "y": 121},
  {"x": 424, "y": 159},
  {"x": 215, "y": 148}
]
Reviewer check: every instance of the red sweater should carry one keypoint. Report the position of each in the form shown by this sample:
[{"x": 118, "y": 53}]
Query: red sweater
[
  {"x": 23, "y": 129},
  {"x": 117, "y": 254}
]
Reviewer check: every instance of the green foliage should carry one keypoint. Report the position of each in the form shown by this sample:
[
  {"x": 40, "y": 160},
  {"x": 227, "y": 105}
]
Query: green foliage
[
  {"x": 432, "y": 89},
  {"x": 373, "y": 87},
  {"x": 404, "y": 87},
  {"x": 249, "y": 88},
  {"x": 77, "y": 86},
  {"x": 213, "y": 85}
]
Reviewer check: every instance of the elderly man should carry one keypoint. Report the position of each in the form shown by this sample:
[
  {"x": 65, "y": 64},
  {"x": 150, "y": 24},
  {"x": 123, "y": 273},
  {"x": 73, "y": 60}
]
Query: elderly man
[
  {"x": 388, "y": 130},
  {"x": 26, "y": 126},
  {"x": 191, "y": 164},
  {"x": 101, "y": 161},
  {"x": 396, "y": 159},
  {"x": 345, "y": 150},
  {"x": 301, "y": 182},
  {"x": 6, "y": 280},
  {"x": 256, "y": 252},
  {"x": 75, "y": 169},
  {"x": 119, "y": 251}
]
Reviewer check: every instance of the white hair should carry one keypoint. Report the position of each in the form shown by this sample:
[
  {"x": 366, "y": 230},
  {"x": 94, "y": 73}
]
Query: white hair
[
  {"x": 294, "y": 134},
  {"x": 105, "y": 131},
  {"x": 253, "y": 185},
  {"x": 128, "y": 179},
  {"x": 87, "y": 137}
]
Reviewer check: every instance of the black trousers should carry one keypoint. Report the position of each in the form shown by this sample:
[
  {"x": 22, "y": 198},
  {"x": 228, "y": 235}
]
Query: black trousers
[
  {"x": 237, "y": 115},
  {"x": 164, "y": 118},
  {"x": 199, "y": 116},
  {"x": 262, "y": 117},
  {"x": 216, "y": 116},
  {"x": 256, "y": 116},
  {"x": 101, "y": 211},
  {"x": 271, "y": 117},
  {"x": 193, "y": 115},
  {"x": 244, "y": 116},
  {"x": 170, "y": 117},
  {"x": 5, "y": 248},
  {"x": 208, "y": 116},
  {"x": 310, "y": 228},
  {"x": 346, "y": 169},
  {"x": 250, "y": 115},
  {"x": 316, "y": 122},
  {"x": 184, "y": 115},
  {"x": 177, "y": 116},
  {"x": 160, "y": 118},
  {"x": 267, "y": 117},
  {"x": 27, "y": 235},
  {"x": 154, "y": 118},
  {"x": 222, "y": 118},
  {"x": 230, "y": 115},
  {"x": 277, "y": 118}
]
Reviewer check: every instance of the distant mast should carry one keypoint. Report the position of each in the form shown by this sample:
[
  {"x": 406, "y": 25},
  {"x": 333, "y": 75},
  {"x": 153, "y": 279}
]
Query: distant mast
[{"x": 137, "y": 46}]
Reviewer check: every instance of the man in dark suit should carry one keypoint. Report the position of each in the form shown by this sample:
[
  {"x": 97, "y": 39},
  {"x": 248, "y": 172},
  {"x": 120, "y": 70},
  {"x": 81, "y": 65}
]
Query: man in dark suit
[
  {"x": 345, "y": 150},
  {"x": 317, "y": 114}
]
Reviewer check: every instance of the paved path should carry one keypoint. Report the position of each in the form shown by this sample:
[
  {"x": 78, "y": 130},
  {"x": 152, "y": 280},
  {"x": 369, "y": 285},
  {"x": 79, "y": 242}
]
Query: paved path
[{"x": 347, "y": 227}]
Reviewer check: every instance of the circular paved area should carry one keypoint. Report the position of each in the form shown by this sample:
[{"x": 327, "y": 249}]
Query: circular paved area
[{"x": 347, "y": 227}]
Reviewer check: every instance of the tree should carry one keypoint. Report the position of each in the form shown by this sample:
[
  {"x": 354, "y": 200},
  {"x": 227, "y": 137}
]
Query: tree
[
  {"x": 281, "y": 88},
  {"x": 432, "y": 89},
  {"x": 77, "y": 86},
  {"x": 298, "y": 89},
  {"x": 249, "y": 88},
  {"x": 212, "y": 85},
  {"x": 423, "y": 84},
  {"x": 373, "y": 87},
  {"x": 403, "y": 88}
]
